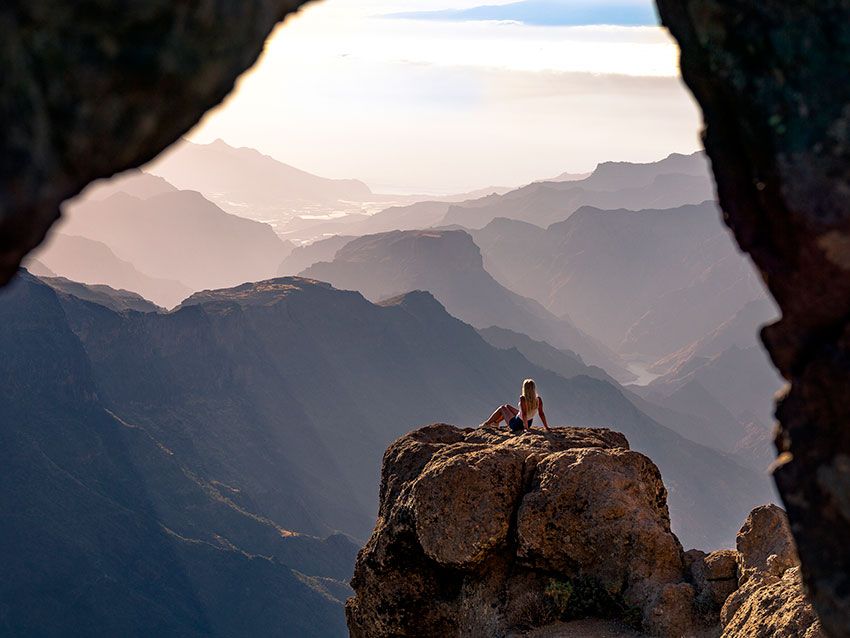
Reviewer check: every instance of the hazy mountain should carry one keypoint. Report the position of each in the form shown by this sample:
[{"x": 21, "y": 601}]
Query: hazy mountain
[
  {"x": 35, "y": 267},
  {"x": 611, "y": 186},
  {"x": 741, "y": 379},
  {"x": 178, "y": 235},
  {"x": 244, "y": 175},
  {"x": 449, "y": 265},
  {"x": 740, "y": 331},
  {"x": 711, "y": 425},
  {"x": 646, "y": 282},
  {"x": 733, "y": 391},
  {"x": 612, "y": 176},
  {"x": 676, "y": 180},
  {"x": 134, "y": 182},
  {"x": 679, "y": 317},
  {"x": 425, "y": 212},
  {"x": 234, "y": 387},
  {"x": 569, "y": 177},
  {"x": 300, "y": 206},
  {"x": 107, "y": 531},
  {"x": 726, "y": 380},
  {"x": 88, "y": 261},
  {"x": 411, "y": 217},
  {"x": 565, "y": 363},
  {"x": 305, "y": 256},
  {"x": 117, "y": 300}
]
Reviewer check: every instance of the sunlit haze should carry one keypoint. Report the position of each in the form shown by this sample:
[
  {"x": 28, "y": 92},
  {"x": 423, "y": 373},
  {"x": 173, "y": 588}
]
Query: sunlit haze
[{"x": 436, "y": 102}]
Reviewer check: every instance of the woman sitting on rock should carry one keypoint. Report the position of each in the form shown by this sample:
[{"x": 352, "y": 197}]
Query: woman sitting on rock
[{"x": 519, "y": 420}]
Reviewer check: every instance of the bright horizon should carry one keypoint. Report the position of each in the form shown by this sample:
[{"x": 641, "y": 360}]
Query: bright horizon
[{"x": 437, "y": 104}]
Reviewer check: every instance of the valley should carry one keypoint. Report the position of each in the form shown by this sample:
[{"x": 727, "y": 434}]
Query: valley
[{"x": 251, "y": 384}]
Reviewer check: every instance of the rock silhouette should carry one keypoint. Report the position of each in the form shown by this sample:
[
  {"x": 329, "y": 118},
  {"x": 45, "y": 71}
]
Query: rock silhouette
[
  {"x": 777, "y": 135},
  {"x": 105, "y": 88}
]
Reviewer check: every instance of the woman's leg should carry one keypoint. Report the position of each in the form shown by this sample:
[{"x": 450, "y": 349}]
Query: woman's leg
[
  {"x": 503, "y": 412},
  {"x": 508, "y": 412}
]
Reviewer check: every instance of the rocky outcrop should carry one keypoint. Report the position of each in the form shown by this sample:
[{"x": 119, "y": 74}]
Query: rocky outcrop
[
  {"x": 770, "y": 601},
  {"x": 778, "y": 135},
  {"x": 482, "y": 533},
  {"x": 93, "y": 88},
  {"x": 715, "y": 578}
]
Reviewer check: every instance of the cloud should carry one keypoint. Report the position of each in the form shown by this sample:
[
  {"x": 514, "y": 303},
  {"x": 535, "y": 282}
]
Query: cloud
[{"x": 549, "y": 13}]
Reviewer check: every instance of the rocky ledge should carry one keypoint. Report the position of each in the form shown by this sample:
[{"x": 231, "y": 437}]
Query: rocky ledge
[{"x": 482, "y": 533}]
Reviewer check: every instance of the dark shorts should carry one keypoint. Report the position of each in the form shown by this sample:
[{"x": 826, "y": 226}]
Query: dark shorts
[{"x": 515, "y": 424}]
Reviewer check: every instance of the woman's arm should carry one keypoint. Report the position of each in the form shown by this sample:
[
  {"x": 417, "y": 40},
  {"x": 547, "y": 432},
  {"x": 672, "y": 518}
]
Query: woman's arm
[{"x": 542, "y": 414}]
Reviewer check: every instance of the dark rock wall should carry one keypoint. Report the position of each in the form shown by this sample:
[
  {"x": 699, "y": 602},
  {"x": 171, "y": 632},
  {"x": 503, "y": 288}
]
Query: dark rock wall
[
  {"x": 93, "y": 87},
  {"x": 771, "y": 77}
]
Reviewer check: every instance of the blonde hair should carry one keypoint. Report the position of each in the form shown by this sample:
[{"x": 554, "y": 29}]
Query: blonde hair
[{"x": 529, "y": 393}]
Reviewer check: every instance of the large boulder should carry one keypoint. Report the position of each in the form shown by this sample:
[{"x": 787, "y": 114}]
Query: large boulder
[
  {"x": 483, "y": 533},
  {"x": 603, "y": 512}
]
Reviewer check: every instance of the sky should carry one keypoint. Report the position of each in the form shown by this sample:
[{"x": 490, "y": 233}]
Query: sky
[{"x": 443, "y": 96}]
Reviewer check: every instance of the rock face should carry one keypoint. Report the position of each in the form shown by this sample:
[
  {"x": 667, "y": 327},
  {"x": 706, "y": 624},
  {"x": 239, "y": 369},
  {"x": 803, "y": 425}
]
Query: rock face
[
  {"x": 93, "y": 88},
  {"x": 715, "y": 577},
  {"x": 777, "y": 133},
  {"x": 770, "y": 602},
  {"x": 482, "y": 533}
]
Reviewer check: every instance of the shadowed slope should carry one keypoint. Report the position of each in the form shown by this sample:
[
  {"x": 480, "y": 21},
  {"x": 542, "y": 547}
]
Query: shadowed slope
[{"x": 106, "y": 531}]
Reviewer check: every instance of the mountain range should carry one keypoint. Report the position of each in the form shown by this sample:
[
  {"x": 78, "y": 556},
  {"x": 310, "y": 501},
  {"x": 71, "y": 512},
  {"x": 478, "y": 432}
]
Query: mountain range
[
  {"x": 211, "y": 469},
  {"x": 233, "y": 386},
  {"x": 305, "y": 256},
  {"x": 246, "y": 176},
  {"x": 138, "y": 232},
  {"x": 86, "y": 260},
  {"x": 726, "y": 379},
  {"x": 108, "y": 531},
  {"x": 673, "y": 181},
  {"x": 645, "y": 282},
  {"x": 204, "y": 438},
  {"x": 449, "y": 265}
]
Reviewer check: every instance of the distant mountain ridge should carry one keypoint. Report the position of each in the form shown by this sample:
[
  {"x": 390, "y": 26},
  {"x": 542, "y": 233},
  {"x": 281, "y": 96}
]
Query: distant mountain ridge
[
  {"x": 727, "y": 379},
  {"x": 610, "y": 176},
  {"x": 305, "y": 256},
  {"x": 229, "y": 377},
  {"x": 135, "y": 182},
  {"x": 670, "y": 182},
  {"x": 246, "y": 175},
  {"x": 545, "y": 203},
  {"x": 93, "y": 262},
  {"x": 178, "y": 235},
  {"x": 647, "y": 282},
  {"x": 117, "y": 300},
  {"x": 449, "y": 265}
]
